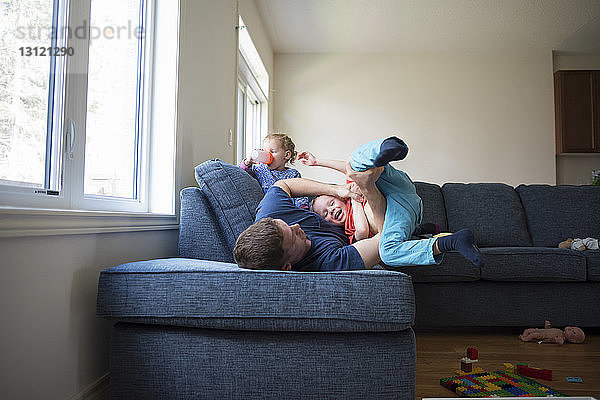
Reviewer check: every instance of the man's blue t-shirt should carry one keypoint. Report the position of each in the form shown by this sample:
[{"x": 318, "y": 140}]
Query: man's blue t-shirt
[{"x": 329, "y": 249}]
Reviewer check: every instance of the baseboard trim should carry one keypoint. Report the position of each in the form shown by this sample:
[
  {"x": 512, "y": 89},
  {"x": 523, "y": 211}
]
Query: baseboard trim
[{"x": 97, "y": 390}]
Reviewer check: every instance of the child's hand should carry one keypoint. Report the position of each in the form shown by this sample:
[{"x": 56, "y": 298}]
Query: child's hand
[
  {"x": 307, "y": 158},
  {"x": 249, "y": 160},
  {"x": 344, "y": 192},
  {"x": 353, "y": 187}
]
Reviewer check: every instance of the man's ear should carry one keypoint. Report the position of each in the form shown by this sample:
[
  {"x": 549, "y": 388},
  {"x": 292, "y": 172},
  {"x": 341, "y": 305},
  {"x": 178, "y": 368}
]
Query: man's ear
[
  {"x": 286, "y": 267},
  {"x": 288, "y": 155}
]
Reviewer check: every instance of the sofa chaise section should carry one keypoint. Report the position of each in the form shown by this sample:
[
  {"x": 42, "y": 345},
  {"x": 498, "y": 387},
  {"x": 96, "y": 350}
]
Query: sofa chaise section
[{"x": 203, "y": 329}]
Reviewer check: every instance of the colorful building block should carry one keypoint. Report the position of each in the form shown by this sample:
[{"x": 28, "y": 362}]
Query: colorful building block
[
  {"x": 472, "y": 353},
  {"x": 534, "y": 372},
  {"x": 466, "y": 365},
  {"x": 509, "y": 367},
  {"x": 496, "y": 384}
]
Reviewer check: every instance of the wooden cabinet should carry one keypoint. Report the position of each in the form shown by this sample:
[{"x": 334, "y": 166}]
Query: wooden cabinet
[{"x": 577, "y": 111}]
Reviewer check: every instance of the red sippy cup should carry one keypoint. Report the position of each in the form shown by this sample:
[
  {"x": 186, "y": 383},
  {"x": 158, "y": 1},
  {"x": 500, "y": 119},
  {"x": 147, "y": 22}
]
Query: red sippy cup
[{"x": 261, "y": 156}]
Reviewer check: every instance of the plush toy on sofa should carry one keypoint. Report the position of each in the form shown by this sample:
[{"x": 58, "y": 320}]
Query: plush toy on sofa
[
  {"x": 579, "y": 244},
  {"x": 571, "y": 334}
]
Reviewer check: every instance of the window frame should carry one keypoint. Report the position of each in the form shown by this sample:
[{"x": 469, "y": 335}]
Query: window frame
[
  {"x": 64, "y": 183},
  {"x": 51, "y": 195},
  {"x": 252, "y": 110},
  {"x": 29, "y": 211},
  {"x": 83, "y": 201}
]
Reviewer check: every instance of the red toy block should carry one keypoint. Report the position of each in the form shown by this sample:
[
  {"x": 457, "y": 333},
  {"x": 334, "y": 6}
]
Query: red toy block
[
  {"x": 534, "y": 372},
  {"x": 472, "y": 353}
]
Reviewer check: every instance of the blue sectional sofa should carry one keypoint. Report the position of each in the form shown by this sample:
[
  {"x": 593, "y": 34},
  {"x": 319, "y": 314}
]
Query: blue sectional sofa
[
  {"x": 200, "y": 327},
  {"x": 525, "y": 278}
]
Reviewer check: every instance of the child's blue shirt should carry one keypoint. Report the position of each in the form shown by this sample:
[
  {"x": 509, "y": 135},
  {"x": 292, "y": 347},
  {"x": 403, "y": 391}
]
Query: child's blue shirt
[{"x": 267, "y": 177}]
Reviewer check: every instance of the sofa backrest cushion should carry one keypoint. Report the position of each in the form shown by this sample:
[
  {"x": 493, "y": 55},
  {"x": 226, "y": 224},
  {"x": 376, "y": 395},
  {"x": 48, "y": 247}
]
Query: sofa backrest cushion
[
  {"x": 229, "y": 198},
  {"x": 555, "y": 213},
  {"x": 492, "y": 211},
  {"x": 433, "y": 204}
]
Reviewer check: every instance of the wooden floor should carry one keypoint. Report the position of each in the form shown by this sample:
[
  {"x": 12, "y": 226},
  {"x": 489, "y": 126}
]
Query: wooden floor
[{"x": 439, "y": 354}]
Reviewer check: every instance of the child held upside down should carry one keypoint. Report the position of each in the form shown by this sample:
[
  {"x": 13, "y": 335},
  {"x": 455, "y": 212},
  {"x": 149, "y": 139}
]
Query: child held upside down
[
  {"x": 355, "y": 216},
  {"x": 403, "y": 211}
]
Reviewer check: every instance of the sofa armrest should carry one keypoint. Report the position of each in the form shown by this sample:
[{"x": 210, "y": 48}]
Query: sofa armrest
[
  {"x": 200, "y": 233},
  {"x": 208, "y": 294}
]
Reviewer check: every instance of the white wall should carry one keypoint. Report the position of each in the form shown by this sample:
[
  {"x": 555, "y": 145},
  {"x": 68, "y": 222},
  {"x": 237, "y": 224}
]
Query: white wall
[
  {"x": 51, "y": 342},
  {"x": 467, "y": 117},
  {"x": 576, "y": 169},
  {"x": 207, "y": 72}
]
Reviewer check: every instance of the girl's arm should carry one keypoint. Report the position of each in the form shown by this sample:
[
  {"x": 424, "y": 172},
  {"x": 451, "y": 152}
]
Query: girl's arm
[
  {"x": 307, "y": 158},
  {"x": 361, "y": 224}
]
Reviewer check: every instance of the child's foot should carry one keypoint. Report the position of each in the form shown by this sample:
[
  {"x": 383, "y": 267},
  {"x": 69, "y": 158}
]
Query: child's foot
[
  {"x": 391, "y": 149},
  {"x": 463, "y": 242},
  {"x": 427, "y": 228}
]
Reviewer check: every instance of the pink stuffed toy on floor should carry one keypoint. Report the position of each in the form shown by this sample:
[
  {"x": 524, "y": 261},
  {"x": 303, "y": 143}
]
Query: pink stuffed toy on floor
[{"x": 570, "y": 334}]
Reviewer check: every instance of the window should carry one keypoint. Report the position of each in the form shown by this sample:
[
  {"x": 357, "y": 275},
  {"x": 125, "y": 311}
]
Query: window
[
  {"x": 253, "y": 90},
  {"x": 28, "y": 99},
  {"x": 77, "y": 95}
]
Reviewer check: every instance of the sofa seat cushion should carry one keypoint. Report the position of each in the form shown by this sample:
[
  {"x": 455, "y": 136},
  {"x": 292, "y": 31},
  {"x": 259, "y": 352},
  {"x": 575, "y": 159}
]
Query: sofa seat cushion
[
  {"x": 433, "y": 204},
  {"x": 555, "y": 213},
  {"x": 593, "y": 263},
  {"x": 454, "y": 268},
  {"x": 211, "y": 294},
  {"x": 492, "y": 211},
  {"x": 533, "y": 264}
]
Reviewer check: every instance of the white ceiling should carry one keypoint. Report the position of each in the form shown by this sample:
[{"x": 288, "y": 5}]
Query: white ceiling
[{"x": 337, "y": 26}]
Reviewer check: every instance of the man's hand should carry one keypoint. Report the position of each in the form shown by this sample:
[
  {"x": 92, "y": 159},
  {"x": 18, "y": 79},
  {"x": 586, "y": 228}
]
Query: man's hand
[{"x": 308, "y": 158}]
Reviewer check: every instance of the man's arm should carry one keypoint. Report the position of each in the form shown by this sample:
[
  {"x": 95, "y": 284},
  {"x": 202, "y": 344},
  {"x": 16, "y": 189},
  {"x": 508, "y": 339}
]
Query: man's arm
[
  {"x": 299, "y": 187},
  {"x": 369, "y": 250}
]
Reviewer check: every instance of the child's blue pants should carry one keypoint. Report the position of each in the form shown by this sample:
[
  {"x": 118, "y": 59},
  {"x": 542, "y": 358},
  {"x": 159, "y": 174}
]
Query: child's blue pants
[{"x": 404, "y": 212}]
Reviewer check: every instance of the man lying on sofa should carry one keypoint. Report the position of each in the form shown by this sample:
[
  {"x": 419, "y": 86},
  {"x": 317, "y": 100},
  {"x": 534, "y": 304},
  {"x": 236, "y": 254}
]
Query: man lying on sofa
[{"x": 287, "y": 237}]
